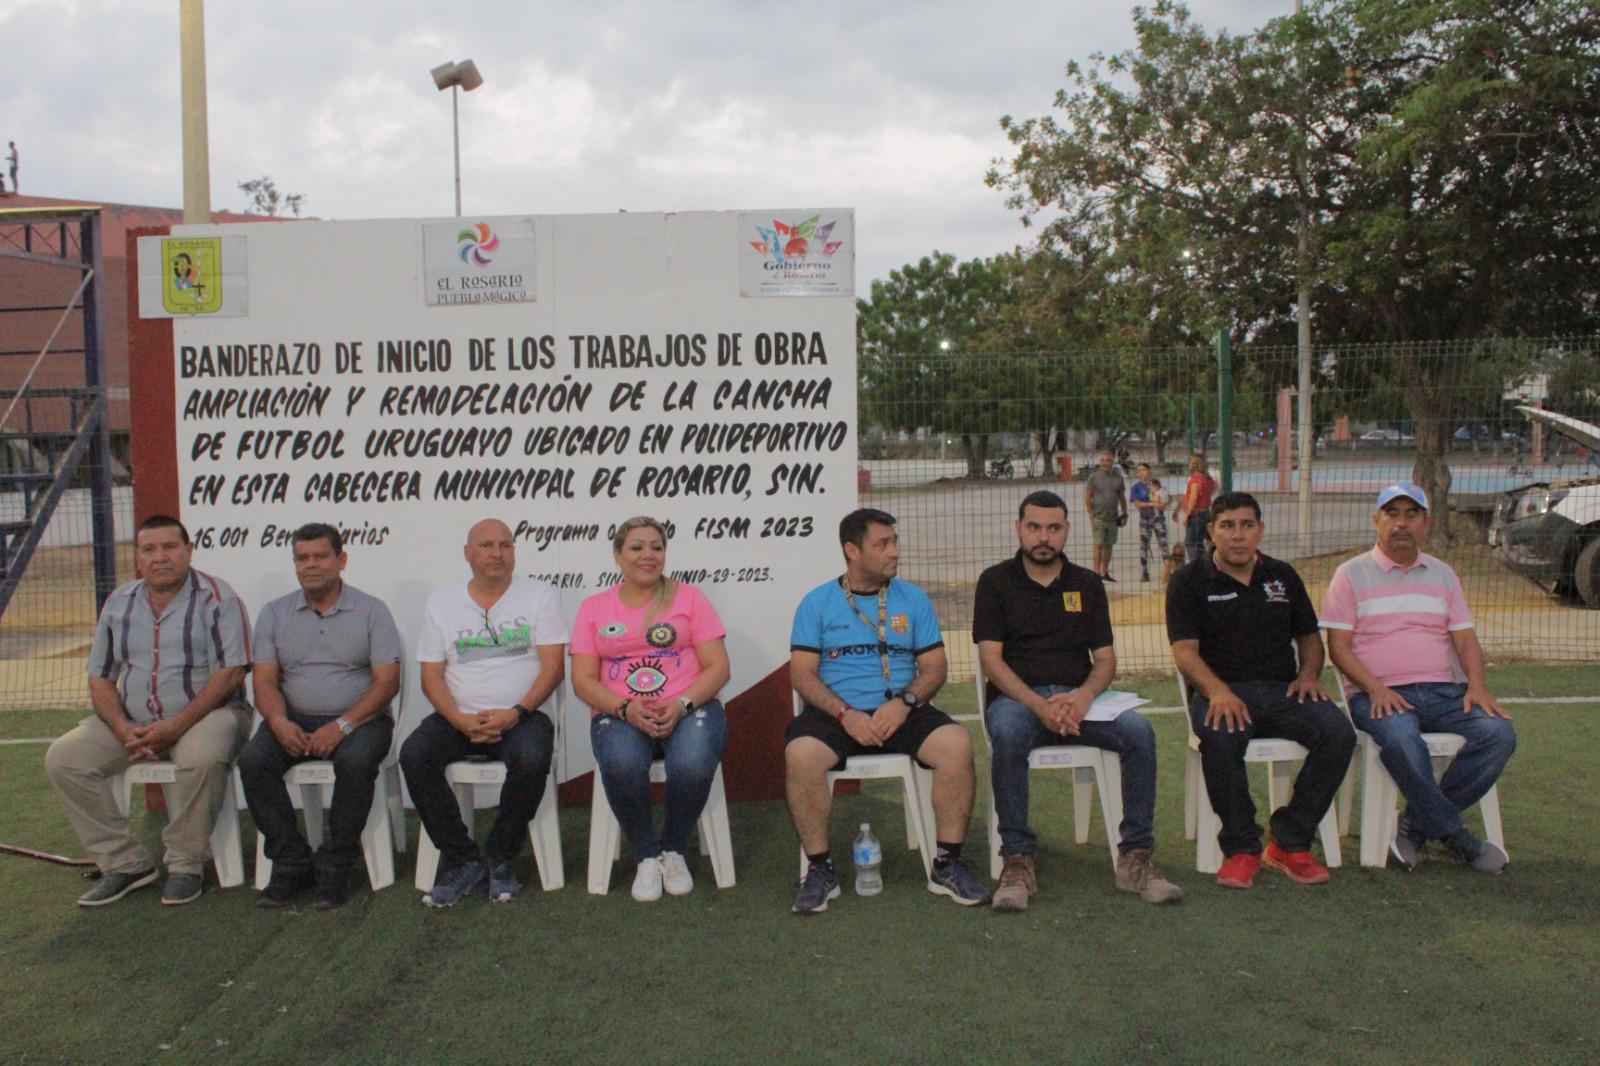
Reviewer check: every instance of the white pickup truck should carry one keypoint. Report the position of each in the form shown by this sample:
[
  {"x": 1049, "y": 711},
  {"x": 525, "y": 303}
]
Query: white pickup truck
[{"x": 1551, "y": 532}]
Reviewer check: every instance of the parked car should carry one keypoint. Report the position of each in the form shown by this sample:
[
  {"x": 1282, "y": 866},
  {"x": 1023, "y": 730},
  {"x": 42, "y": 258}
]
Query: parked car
[{"x": 1551, "y": 531}]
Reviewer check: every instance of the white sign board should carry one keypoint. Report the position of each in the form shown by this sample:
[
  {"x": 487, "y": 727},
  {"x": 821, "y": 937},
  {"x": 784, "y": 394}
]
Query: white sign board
[{"x": 634, "y": 379}]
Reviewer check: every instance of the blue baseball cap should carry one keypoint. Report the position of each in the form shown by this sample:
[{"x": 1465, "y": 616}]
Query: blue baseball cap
[{"x": 1402, "y": 490}]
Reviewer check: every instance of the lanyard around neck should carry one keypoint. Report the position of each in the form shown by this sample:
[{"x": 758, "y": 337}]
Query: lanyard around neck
[{"x": 881, "y": 628}]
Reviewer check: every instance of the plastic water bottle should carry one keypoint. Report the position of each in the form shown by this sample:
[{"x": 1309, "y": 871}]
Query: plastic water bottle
[{"x": 868, "y": 856}]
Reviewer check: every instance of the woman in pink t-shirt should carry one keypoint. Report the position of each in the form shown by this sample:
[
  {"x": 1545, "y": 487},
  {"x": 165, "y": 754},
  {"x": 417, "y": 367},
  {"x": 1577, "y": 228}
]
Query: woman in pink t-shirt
[{"x": 648, "y": 658}]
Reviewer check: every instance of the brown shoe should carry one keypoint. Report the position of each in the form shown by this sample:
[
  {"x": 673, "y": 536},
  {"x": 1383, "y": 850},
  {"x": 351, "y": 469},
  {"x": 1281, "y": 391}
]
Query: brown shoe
[
  {"x": 1136, "y": 873},
  {"x": 1018, "y": 882}
]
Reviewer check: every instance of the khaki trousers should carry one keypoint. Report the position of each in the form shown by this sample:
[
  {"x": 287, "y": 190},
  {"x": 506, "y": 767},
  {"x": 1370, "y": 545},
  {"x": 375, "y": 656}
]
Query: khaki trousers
[{"x": 81, "y": 762}]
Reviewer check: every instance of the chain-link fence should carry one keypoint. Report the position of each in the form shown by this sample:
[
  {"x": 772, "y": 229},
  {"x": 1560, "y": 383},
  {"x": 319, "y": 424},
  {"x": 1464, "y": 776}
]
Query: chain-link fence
[
  {"x": 56, "y": 294},
  {"x": 951, "y": 443},
  {"x": 47, "y": 627}
]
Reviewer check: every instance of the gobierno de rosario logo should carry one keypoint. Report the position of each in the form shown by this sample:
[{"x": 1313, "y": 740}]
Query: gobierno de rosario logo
[
  {"x": 476, "y": 242},
  {"x": 792, "y": 244}
]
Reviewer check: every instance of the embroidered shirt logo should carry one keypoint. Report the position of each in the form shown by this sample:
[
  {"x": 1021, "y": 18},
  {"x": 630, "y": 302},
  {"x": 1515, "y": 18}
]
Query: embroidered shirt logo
[
  {"x": 1072, "y": 602},
  {"x": 900, "y": 623},
  {"x": 1277, "y": 591}
]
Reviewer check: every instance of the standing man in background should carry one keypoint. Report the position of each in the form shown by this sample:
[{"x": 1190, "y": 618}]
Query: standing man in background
[{"x": 1105, "y": 498}]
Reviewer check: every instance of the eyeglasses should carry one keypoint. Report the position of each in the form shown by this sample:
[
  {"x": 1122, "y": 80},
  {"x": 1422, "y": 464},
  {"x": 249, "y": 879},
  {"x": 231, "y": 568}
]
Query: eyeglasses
[{"x": 488, "y": 627}]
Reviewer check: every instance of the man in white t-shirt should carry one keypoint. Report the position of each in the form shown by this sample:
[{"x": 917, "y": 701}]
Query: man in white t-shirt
[{"x": 491, "y": 653}]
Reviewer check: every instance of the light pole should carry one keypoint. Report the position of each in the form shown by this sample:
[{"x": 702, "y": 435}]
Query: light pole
[
  {"x": 1302, "y": 314},
  {"x": 453, "y": 76},
  {"x": 196, "y": 150}
]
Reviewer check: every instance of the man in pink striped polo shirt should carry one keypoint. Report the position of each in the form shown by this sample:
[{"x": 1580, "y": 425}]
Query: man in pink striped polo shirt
[{"x": 1398, "y": 626}]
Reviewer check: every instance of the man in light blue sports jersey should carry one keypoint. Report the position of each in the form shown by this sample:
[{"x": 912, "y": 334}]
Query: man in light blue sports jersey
[{"x": 866, "y": 656}]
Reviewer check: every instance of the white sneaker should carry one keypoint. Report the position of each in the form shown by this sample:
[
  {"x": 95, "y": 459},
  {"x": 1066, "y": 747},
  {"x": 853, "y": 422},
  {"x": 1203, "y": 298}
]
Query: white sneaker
[
  {"x": 647, "y": 882},
  {"x": 675, "y": 872}
]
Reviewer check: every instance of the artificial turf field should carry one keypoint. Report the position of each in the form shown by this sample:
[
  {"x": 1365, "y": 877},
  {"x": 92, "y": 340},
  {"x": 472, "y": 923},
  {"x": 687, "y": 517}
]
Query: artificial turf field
[{"x": 1440, "y": 965}]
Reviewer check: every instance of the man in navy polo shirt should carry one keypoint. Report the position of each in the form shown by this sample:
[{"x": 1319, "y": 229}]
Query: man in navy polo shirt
[
  {"x": 1238, "y": 621},
  {"x": 1043, "y": 630},
  {"x": 866, "y": 656}
]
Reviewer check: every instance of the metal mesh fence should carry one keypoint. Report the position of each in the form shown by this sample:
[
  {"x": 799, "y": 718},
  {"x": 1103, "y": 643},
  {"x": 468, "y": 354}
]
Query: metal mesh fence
[
  {"x": 47, "y": 627},
  {"x": 951, "y": 443}
]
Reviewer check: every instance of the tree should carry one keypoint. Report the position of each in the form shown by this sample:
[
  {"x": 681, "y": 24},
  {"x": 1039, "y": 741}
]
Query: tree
[
  {"x": 927, "y": 352},
  {"x": 266, "y": 200},
  {"x": 1446, "y": 153}
]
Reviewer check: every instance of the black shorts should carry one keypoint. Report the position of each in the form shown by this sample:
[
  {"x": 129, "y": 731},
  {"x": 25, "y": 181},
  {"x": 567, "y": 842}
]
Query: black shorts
[{"x": 907, "y": 740}]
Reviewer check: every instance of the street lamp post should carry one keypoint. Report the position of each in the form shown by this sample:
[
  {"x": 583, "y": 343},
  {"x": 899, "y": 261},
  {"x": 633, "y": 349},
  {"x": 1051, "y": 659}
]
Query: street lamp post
[
  {"x": 196, "y": 148},
  {"x": 453, "y": 76}
]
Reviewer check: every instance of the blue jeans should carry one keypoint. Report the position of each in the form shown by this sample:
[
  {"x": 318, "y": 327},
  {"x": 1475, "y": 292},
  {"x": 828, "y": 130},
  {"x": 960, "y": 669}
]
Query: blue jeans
[
  {"x": 525, "y": 748},
  {"x": 1435, "y": 807},
  {"x": 356, "y": 762},
  {"x": 1194, "y": 535},
  {"x": 1014, "y": 731},
  {"x": 693, "y": 751},
  {"x": 1319, "y": 726}
]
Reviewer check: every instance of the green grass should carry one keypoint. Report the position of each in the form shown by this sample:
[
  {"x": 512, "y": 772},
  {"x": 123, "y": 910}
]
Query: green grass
[{"x": 1441, "y": 965}]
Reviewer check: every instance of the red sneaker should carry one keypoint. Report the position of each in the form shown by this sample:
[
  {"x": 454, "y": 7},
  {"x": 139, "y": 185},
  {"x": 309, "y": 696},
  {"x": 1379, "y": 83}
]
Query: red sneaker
[
  {"x": 1239, "y": 871},
  {"x": 1301, "y": 866}
]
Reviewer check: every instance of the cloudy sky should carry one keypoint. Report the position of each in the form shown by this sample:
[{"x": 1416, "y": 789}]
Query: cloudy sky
[{"x": 890, "y": 108}]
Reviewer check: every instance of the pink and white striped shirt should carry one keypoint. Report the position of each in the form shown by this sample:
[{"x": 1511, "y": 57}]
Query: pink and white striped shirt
[{"x": 1401, "y": 617}]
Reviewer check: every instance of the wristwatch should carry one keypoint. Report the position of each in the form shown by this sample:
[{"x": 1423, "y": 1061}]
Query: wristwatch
[
  {"x": 911, "y": 699},
  {"x": 344, "y": 727},
  {"x": 523, "y": 713},
  {"x": 688, "y": 705}
]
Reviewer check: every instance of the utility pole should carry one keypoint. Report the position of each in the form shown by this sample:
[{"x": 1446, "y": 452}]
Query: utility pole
[
  {"x": 1225, "y": 408},
  {"x": 196, "y": 140},
  {"x": 1303, "y": 324}
]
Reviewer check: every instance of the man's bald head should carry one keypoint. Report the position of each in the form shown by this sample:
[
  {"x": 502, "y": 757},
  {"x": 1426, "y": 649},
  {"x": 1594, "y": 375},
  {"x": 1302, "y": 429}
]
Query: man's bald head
[
  {"x": 491, "y": 551},
  {"x": 488, "y": 527}
]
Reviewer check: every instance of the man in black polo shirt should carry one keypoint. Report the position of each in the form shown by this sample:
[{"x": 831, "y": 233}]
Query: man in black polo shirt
[
  {"x": 1043, "y": 631},
  {"x": 1237, "y": 620}
]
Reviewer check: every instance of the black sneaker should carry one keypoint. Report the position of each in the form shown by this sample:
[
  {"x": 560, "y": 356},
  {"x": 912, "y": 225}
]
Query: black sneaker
[
  {"x": 287, "y": 883},
  {"x": 503, "y": 883},
  {"x": 820, "y": 884},
  {"x": 454, "y": 883},
  {"x": 1108, "y": 579},
  {"x": 333, "y": 888},
  {"x": 956, "y": 879},
  {"x": 112, "y": 887},
  {"x": 180, "y": 889}
]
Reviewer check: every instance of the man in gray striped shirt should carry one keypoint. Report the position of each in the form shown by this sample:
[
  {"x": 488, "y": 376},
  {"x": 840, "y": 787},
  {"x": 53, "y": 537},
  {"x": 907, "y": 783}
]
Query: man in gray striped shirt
[{"x": 166, "y": 678}]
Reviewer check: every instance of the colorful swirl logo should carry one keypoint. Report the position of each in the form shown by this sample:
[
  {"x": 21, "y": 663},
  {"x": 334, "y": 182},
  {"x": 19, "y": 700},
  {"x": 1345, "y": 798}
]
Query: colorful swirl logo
[{"x": 475, "y": 242}]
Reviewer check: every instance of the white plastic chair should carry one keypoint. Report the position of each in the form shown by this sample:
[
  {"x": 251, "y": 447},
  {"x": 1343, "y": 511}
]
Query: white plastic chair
[
  {"x": 477, "y": 784},
  {"x": 226, "y": 851},
  {"x": 1380, "y": 796},
  {"x": 1200, "y": 820},
  {"x": 605, "y": 834},
  {"x": 916, "y": 786},
  {"x": 1093, "y": 769}
]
